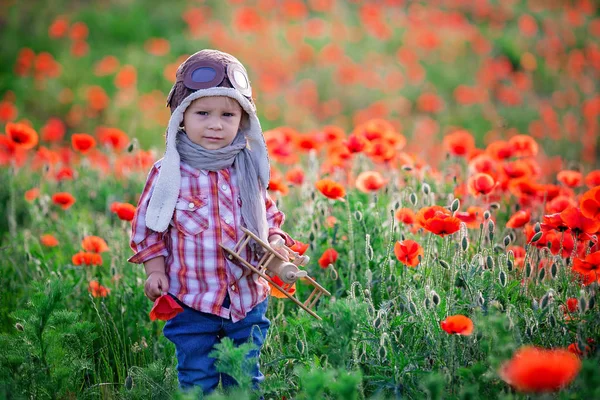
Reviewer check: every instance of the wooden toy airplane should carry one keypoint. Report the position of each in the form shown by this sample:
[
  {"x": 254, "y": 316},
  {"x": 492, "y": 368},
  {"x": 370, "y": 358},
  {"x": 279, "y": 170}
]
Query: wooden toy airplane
[{"x": 272, "y": 264}]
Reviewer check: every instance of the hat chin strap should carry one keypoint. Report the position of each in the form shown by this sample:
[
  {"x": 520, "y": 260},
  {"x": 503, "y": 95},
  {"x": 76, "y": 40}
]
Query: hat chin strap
[{"x": 166, "y": 190}]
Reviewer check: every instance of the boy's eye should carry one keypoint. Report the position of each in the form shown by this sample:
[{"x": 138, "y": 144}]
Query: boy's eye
[
  {"x": 201, "y": 113},
  {"x": 228, "y": 114}
]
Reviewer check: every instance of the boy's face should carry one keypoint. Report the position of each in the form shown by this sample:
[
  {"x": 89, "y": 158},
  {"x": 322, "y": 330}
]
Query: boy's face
[{"x": 212, "y": 122}]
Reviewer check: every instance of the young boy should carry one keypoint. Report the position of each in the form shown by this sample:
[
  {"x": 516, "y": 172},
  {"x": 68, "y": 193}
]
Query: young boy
[{"x": 211, "y": 181}]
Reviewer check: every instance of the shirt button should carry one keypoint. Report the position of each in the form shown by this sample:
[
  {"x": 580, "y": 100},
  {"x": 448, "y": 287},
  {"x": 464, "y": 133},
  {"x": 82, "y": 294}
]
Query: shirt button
[
  {"x": 233, "y": 287},
  {"x": 191, "y": 205},
  {"x": 228, "y": 222},
  {"x": 224, "y": 187}
]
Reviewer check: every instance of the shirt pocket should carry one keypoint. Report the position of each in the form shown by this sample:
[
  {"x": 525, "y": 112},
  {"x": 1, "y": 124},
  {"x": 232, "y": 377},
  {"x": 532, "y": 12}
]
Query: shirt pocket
[{"x": 191, "y": 214}]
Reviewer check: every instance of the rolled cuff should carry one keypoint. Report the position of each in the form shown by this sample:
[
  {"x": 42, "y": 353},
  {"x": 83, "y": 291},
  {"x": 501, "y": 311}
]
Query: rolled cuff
[
  {"x": 156, "y": 250},
  {"x": 288, "y": 239}
]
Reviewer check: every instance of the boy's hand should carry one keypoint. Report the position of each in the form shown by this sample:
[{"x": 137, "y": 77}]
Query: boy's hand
[
  {"x": 277, "y": 243},
  {"x": 157, "y": 284}
]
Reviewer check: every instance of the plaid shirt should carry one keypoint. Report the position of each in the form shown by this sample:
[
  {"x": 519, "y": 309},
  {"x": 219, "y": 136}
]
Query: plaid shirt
[{"x": 208, "y": 212}]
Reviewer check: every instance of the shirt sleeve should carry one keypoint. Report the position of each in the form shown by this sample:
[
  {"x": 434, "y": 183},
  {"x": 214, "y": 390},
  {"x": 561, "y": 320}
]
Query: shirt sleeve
[
  {"x": 275, "y": 219},
  {"x": 146, "y": 243}
]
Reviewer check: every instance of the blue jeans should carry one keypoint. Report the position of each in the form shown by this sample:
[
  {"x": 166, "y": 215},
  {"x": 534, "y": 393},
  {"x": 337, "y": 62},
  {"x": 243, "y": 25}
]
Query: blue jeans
[{"x": 195, "y": 333}]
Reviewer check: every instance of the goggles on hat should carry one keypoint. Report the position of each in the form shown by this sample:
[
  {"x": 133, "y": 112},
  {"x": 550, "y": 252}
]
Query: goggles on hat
[{"x": 207, "y": 74}]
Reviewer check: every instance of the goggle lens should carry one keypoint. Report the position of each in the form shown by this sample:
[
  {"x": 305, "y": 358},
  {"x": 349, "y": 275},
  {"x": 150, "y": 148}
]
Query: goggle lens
[{"x": 204, "y": 74}]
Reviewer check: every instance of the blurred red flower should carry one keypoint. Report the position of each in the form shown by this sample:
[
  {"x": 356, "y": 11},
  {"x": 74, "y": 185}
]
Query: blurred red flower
[
  {"x": 289, "y": 288},
  {"x": 63, "y": 199},
  {"x": 49, "y": 240},
  {"x": 299, "y": 247},
  {"x": 570, "y": 178},
  {"x": 59, "y": 27},
  {"x": 165, "y": 308},
  {"x": 408, "y": 252},
  {"x": 593, "y": 178},
  {"x": 579, "y": 224},
  {"x": 459, "y": 143},
  {"x": 481, "y": 183},
  {"x": 330, "y": 189},
  {"x": 94, "y": 244},
  {"x": 83, "y": 142},
  {"x": 533, "y": 369},
  {"x": 53, "y": 130},
  {"x": 157, "y": 46},
  {"x": 86, "y": 258},
  {"x": 369, "y": 181},
  {"x": 126, "y": 77},
  {"x": 523, "y": 146},
  {"x": 572, "y": 304},
  {"x": 295, "y": 176},
  {"x": 23, "y": 136},
  {"x": 589, "y": 267},
  {"x": 8, "y": 111},
  {"x": 518, "y": 219},
  {"x": 97, "y": 290},
  {"x": 124, "y": 211},
  {"x": 32, "y": 194},
  {"x": 590, "y": 204},
  {"x": 329, "y": 256},
  {"x": 406, "y": 216},
  {"x": 458, "y": 324}
]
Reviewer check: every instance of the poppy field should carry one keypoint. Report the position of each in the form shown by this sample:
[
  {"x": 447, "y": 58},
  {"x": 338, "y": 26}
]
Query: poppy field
[{"x": 437, "y": 161}]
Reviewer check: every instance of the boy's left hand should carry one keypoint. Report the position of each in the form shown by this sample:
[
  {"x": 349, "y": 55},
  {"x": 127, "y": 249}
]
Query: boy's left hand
[{"x": 277, "y": 243}]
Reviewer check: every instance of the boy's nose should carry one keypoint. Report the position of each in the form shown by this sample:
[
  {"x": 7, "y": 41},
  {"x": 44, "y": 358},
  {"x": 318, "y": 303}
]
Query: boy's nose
[{"x": 215, "y": 124}]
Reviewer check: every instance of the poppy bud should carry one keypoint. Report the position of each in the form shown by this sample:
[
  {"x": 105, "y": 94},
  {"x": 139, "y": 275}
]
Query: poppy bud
[
  {"x": 542, "y": 274},
  {"x": 19, "y": 327},
  {"x": 300, "y": 346},
  {"x": 435, "y": 298},
  {"x": 582, "y": 304},
  {"x": 128, "y": 382},
  {"x": 489, "y": 262},
  {"x": 552, "y": 320},
  {"x": 536, "y": 237},
  {"x": 358, "y": 215},
  {"x": 537, "y": 228},
  {"x": 502, "y": 278},
  {"x": 486, "y": 215},
  {"x": 545, "y": 301},
  {"x": 455, "y": 205},
  {"x": 528, "y": 269},
  {"x": 444, "y": 264},
  {"x": 413, "y": 199},
  {"x": 426, "y": 188},
  {"x": 553, "y": 270},
  {"x": 591, "y": 302},
  {"x": 464, "y": 243},
  {"x": 506, "y": 240}
]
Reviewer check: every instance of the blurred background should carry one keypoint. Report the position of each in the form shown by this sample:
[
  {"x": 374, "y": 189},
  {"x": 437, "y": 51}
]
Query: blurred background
[{"x": 494, "y": 68}]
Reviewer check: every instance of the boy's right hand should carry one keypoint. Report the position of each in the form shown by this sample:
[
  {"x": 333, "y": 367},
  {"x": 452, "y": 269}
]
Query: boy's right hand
[{"x": 156, "y": 285}]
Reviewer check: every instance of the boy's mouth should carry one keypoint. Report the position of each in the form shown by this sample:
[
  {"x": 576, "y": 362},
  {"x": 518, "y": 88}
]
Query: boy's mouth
[{"x": 212, "y": 138}]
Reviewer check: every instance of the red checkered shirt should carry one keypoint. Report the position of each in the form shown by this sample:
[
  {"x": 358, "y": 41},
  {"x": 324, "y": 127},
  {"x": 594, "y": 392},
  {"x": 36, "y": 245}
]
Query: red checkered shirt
[{"x": 208, "y": 212}]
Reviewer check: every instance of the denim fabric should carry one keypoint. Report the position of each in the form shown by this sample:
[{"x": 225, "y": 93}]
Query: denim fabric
[{"x": 195, "y": 333}]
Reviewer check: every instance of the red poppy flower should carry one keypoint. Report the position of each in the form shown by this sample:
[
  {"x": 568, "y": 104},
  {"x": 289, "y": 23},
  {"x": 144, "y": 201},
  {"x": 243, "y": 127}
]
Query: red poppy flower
[
  {"x": 23, "y": 136},
  {"x": 331, "y": 189},
  {"x": 289, "y": 288},
  {"x": 472, "y": 217},
  {"x": 97, "y": 290},
  {"x": 94, "y": 244},
  {"x": 32, "y": 194},
  {"x": 356, "y": 143},
  {"x": 83, "y": 142},
  {"x": 574, "y": 348},
  {"x": 554, "y": 221},
  {"x": 592, "y": 179},
  {"x": 579, "y": 224},
  {"x": 572, "y": 304},
  {"x": 559, "y": 203},
  {"x": 481, "y": 183},
  {"x": 53, "y": 131},
  {"x": 406, "y": 216},
  {"x": 124, "y": 211},
  {"x": 458, "y": 324},
  {"x": 558, "y": 241},
  {"x": 329, "y": 256},
  {"x": 299, "y": 247},
  {"x": 63, "y": 199},
  {"x": 295, "y": 176},
  {"x": 49, "y": 240},
  {"x": 523, "y": 146},
  {"x": 443, "y": 225},
  {"x": 165, "y": 308},
  {"x": 157, "y": 46},
  {"x": 113, "y": 138},
  {"x": 429, "y": 212},
  {"x": 533, "y": 369},
  {"x": 369, "y": 181},
  {"x": 589, "y": 267},
  {"x": 86, "y": 258},
  {"x": 570, "y": 178},
  {"x": 408, "y": 252},
  {"x": 460, "y": 143},
  {"x": 8, "y": 111},
  {"x": 126, "y": 78},
  {"x": 590, "y": 203},
  {"x": 519, "y": 219},
  {"x": 277, "y": 185}
]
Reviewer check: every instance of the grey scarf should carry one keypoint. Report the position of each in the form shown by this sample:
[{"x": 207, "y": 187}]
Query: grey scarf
[{"x": 253, "y": 206}]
